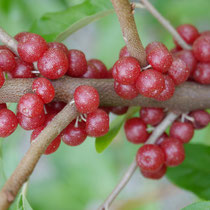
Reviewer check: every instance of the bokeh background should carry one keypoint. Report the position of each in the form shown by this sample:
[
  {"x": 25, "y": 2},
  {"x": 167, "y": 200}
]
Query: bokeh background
[{"x": 78, "y": 178}]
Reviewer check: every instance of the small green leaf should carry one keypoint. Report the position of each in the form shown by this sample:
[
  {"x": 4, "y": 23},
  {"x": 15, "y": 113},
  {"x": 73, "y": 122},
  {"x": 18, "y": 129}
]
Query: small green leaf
[
  {"x": 59, "y": 25},
  {"x": 103, "y": 142},
  {"x": 193, "y": 173},
  {"x": 22, "y": 203},
  {"x": 205, "y": 205}
]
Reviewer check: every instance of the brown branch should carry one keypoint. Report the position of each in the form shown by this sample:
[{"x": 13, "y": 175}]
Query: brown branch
[
  {"x": 166, "y": 24},
  {"x": 124, "y": 13}
]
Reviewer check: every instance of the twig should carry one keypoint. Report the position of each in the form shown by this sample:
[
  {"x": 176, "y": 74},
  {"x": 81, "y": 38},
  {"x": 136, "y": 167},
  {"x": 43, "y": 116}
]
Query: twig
[{"x": 166, "y": 24}]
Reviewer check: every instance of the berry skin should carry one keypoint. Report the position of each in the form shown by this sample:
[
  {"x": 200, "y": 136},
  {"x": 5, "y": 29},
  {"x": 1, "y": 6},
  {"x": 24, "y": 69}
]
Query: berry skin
[
  {"x": 22, "y": 69},
  {"x": 92, "y": 72},
  {"x": 55, "y": 107},
  {"x": 30, "y": 105},
  {"x": 188, "y": 32},
  {"x": 151, "y": 116},
  {"x": 205, "y": 33},
  {"x": 77, "y": 63},
  {"x": 97, "y": 123},
  {"x": 44, "y": 89},
  {"x": 168, "y": 91},
  {"x": 124, "y": 52},
  {"x": 150, "y": 83},
  {"x": 174, "y": 151},
  {"x": 127, "y": 70},
  {"x": 202, "y": 73},
  {"x": 151, "y": 46},
  {"x": 53, "y": 146},
  {"x": 8, "y": 122},
  {"x": 119, "y": 110},
  {"x": 3, "y": 106},
  {"x": 2, "y": 79},
  {"x": 29, "y": 123},
  {"x": 20, "y": 36},
  {"x": 161, "y": 138},
  {"x": 58, "y": 45},
  {"x": 150, "y": 158},
  {"x": 155, "y": 175},
  {"x": 100, "y": 67},
  {"x": 136, "y": 130},
  {"x": 201, "y": 48},
  {"x": 183, "y": 131},
  {"x": 74, "y": 136},
  {"x": 53, "y": 64},
  {"x": 160, "y": 58},
  {"x": 31, "y": 47},
  {"x": 86, "y": 99},
  {"x": 179, "y": 71},
  {"x": 125, "y": 91},
  {"x": 7, "y": 60},
  {"x": 201, "y": 118}
]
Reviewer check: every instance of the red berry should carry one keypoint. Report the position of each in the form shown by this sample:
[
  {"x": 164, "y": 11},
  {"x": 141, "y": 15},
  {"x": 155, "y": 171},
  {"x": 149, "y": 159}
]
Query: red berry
[
  {"x": 3, "y": 106},
  {"x": 178, "y": 71},
  {"x": 2, "y": 79},
  {"x": 151, "y": 116},
  {"x": 151, "y": 46},
  {"x": 174, "y": 151},
  {"x": 86, "y": 99},
  {"x": 97, "y": 123},
  {"x": 53, "y": 146},
  {"x": 188, "y": 32},
  {"x": 29, "y": 123},
  {"x": 7, "y": 60},
  {"x": 202, "y": 73},
  {"x": 201, "y": 48},
  {"x": 44, "y": 89},
  {"x": 30, "y": 105},
  {"x": 168, "y": 91},
  {"x": 125, "y": 91},
  {"x": 55, "y": 107},
  {"x": 119, "y": 110},
  {"x": 4, "y": 47},
  {"x": 161, "y": 138},
  {"x": 201, "y": 118},
  {"x": 160, "y": 58},
  {"x": 205, "y": 33},
  {"x": 124, "y": 52},
  {"x": 58, "y": 45},
  {"x": 150, "y": 83},
  {"x": 136, "y": 130},
  {"x": 31, "y": 47},
  {"x": 74, "y": 135},
  {"x": 92, "y": 72},
  {"x": 127, "y": 70},
  {"x": 150, "y": 158},
  {"x": 8, "y": 122},
  {"x": 182, "y": 130},
  {"x": 155, "y": 175},
  {"x": 100, "y": 67},
  {"x": 53, "y": 64},
  {"x": 77, "y": 63},
  {"x": 20, "y": 36}
]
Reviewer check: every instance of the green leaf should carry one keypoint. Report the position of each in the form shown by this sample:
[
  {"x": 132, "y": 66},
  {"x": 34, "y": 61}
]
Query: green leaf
[
  {"x": 193, "y": 173},
  {"x": 103, "y": 142},
  {"x": 59, "y": 25},
  {"x": 205, "y": 205},
  {"x": 23, "y": 203}
]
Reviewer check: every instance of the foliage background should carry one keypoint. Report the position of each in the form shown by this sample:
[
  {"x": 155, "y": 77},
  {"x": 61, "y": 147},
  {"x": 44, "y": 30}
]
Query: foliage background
[{"x": 78, "y": 177}]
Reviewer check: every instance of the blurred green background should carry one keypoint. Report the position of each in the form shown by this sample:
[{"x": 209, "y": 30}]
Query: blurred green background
[{"x": 78, "y": 177}]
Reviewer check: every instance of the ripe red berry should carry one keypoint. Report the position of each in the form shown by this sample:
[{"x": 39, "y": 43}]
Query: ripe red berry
[
  {"x": 150, "y": 83},
  {"x": 179, "y": 71},
  {"x": 160, "y": 58},
  {"x": 168, "y": 91},
  {"x": 188, "y": 32},
  {"x": 54, "y": 107},
  {"x": 53, "y": 146},
  {"x": 44, "y": 89},
  {"x": 127, "y": 70},
  {"x": 4, "y": 47},
  {"x": 205, "y": 33},
  {"x": 174, "y": 151},
  {"x": 8, "y": 122},
  {"x": 58, "y": 45},
  {"x": 30, "y": 105},
  {"x": 92, "y": 72},
  {"x": 20, "y": 36},
  {"x": 74, "y": 135},
  {"x": 2, "y": 79},
  {"x": 151, "y": 46},
  {"x": 3, "y": 106},
  {"x": 100, "y": 67},
  {"x": 86, "y": 99},
  {"x": 97, "y": 123},
  {"x": 31, "y": 47},
  {"x": 150, "y": 158},
  {"x": 125, "y": 91},
  {"x": 119, "y": 110},
  {"x": 161, "y": 138},
  {"x": 30, "y": 123},
  {"x": 155, "y": 175},
  {"x": 124, "y": 52},
  {"x": 7, "y": 60},
  {"x": 151, "y": 116},
  {"x": 182, "y": 130},
  {"x": 136, "y": 130},
  {"x": 201, "y": 48},
  {"x": 202, "y": 73},
  {"x": 201, "y": 118},
  {"x": 53, "y": 64},
  {"x": 77, "y": 63}
]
